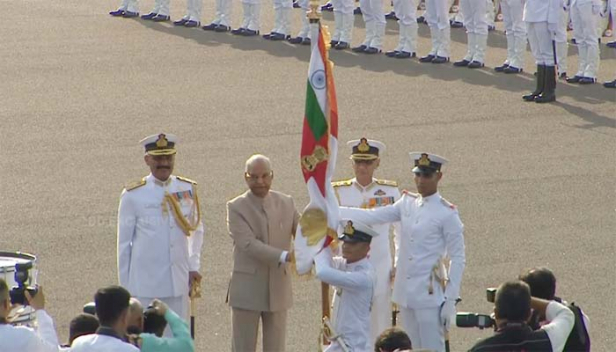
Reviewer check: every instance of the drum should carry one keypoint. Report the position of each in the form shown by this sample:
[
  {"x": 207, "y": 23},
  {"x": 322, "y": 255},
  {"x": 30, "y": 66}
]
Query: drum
[{"x": 20, "y": 315}]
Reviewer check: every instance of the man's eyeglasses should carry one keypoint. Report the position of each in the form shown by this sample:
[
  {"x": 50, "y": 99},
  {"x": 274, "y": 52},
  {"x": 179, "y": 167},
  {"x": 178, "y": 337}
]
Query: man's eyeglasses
[{"x": 255, "y": 178}]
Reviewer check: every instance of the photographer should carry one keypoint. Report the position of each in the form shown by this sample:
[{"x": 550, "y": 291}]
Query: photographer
[
  {"x": 392, "y": 340},
  {"x": 83, "y": 324},
  {"x": 512, "y": 312},
  {"x": 21, "y": 338},
  {"x": 152, "y": 342}
]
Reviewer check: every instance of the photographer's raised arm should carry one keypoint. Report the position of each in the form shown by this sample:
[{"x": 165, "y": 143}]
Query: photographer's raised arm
[
  {"x": 47, "y": 339},
  {"x": 561, "y": 321}
]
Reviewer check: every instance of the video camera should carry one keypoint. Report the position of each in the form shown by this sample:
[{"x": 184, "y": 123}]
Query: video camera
[
  {"x": 475, "y": 320},
  {"x": 17, "y": 293}
]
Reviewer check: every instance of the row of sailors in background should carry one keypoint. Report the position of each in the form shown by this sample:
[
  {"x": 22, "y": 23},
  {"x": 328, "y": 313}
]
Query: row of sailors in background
[{"x": 589, "y": 20}]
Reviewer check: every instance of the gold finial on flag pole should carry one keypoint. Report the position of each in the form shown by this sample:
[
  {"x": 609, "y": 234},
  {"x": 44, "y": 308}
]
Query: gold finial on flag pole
[{"x": 313, "y": 14}]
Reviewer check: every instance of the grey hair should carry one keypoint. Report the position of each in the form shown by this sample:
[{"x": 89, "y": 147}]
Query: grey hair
[{"x": 255, "y": 158}]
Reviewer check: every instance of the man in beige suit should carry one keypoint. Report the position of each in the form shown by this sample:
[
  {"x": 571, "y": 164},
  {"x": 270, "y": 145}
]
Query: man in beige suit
[{"x": 262, "y": 224}]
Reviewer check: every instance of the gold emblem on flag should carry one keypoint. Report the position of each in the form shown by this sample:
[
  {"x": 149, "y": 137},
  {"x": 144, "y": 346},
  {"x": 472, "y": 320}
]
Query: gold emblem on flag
[
  {"x": 424, "y": 160},
  {"x": 310, "y": 162},
  {"x": 314, "y": 225}
]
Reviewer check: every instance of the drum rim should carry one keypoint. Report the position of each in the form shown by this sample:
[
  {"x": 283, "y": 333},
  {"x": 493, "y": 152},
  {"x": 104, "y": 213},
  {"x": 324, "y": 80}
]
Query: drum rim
[{"x": 17, "y": 255}]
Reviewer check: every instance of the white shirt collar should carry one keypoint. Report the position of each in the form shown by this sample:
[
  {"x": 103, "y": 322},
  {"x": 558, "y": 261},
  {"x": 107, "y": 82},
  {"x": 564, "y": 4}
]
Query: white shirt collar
[{"x": 159, "y": 182}]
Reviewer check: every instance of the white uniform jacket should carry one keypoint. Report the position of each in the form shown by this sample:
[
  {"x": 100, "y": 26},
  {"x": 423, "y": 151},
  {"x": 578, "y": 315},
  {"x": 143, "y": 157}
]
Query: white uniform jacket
[
  {"x": 21, "y": 338},
  {"x": 101, "y": 343},
  {"x": 154, "y": 254},
  {"x": 431, "y": 230},
  {"x": 542, "y": 11},
  {"x": 354, "y": 282},
  {"x": 377, "y": 194}
]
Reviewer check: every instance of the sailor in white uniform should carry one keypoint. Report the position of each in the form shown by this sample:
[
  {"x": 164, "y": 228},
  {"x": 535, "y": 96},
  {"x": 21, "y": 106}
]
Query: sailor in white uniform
[
  {"x": 354, "y": 278},
  {"x": 366, "y": 192},
  {"x": 160, "y": 233},
  {"x": 432, "y": 239}
]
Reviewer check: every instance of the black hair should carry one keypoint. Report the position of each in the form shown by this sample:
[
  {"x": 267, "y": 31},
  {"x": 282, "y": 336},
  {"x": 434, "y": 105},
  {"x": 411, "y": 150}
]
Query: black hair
[
  {"x": 513, "y": 301},
  {"x": 542, "y": 283},
  {"x": 392, "y": 339},
  {"x": 153, "y": 322},
  {"x": 111, "y": 302},
  {"x": 83, "y": 324}
]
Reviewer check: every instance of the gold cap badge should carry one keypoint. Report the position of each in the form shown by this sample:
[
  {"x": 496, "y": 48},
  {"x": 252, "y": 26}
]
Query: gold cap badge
[
  {"x": 424, "y": 160},
  {"x": 162, "y": 141},
  {"x": 363, "y": 146},
  {"x": 349, "y": 230}
]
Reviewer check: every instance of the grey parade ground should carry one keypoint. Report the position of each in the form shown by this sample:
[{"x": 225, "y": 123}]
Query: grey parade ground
[{"x": 168, "y": 175}]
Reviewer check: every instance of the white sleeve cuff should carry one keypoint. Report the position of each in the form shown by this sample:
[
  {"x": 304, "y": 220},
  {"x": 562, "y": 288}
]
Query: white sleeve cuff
[{"x": 283, "y": 257}]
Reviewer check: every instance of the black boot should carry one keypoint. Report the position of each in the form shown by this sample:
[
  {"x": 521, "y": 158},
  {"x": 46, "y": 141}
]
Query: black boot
[
  {"x": 540, "y": 84},
  {"x": 549, "y": 90}
]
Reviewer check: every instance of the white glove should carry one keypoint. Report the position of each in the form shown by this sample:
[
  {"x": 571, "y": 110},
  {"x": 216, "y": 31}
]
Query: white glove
[{"x": 448, "y": 310}]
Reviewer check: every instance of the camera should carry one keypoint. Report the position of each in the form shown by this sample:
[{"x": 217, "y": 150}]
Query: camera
[
  {"x": 17, "y": 293},
  {"x": 474, "y": 320},
  {"x": 491, "y": 294}
]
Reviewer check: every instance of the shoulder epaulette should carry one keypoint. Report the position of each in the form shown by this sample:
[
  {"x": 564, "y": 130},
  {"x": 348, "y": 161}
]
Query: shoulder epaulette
[
  {"x": 186, "y": 180},
  {"x": 447, "y": 203},
  {"x": 387, "y": 183},
  {"x": 342, "y": 183},
  {"x": 135, "y": 185},
  {"x": 410, "y": 194}
]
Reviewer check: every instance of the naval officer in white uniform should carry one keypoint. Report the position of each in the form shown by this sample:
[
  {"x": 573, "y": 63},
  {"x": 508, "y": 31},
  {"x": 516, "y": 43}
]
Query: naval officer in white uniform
[
  {"x": 432, "y": 239},
  {"x": 354, "y": 279},
  {"x": 160, "y": 233},
  {"x": 365, "y": 191}
]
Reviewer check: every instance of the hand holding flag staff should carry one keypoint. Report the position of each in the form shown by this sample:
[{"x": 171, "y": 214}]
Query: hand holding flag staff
[{"x": 319, "y": 223}]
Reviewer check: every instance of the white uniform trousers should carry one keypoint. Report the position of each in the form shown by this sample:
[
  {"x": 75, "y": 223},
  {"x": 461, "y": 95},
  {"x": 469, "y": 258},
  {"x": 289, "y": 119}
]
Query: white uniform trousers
[
  {"x": 475, "y": 21},
  {"x": 130, "y": 5},
  {"x": 252, "y": 9},
  {"x": 193, "y": 10},
  {"x": 161, "y": 7},
  {"x": 584, "y": 18},
  {"x": 437, "y": 15},
  {"x": 282, "y": 16},
  {"x": 223, "y": 13},
  {"x": 424, "y": 328},
  {"x": 560, "y": 37},
  {"x": 515, "y": 30},
  {"x": 406, "y": 11},
  {"x": 304, "y": 32},
  {"x": 344, "y": 20},
  {"x": 540, "y": 39},
  {"x": 374, "y": 18},
  {"x": 380, "y": 315},
  {"x": 180, "y": 305},
  {"x": 612, "y": 9}
]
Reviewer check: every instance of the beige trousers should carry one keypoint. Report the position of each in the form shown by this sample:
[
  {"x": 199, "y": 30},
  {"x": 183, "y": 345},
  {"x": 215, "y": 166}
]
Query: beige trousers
[{"x": 246, "y": 328}]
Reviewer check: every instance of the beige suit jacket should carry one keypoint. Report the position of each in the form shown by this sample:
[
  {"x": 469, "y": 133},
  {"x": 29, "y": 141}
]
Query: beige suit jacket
[{"x": 261, "y": 228}]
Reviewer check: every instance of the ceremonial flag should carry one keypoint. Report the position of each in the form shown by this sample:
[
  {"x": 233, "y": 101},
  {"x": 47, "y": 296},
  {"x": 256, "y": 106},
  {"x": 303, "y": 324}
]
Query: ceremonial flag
[{"x": 319, "y": 223}]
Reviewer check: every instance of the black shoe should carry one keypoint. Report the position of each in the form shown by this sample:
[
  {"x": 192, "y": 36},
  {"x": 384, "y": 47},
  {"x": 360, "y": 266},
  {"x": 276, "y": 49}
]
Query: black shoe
[
  {"x": 587, "y": 80},
  {"x": 540, "y": 84},
  {"x": 328, "y": 7},
  {"x": 117, "y": 13},
  {"x": 237, "y": 31},
  {"x": 440, "y": 60},
  {"x": 456, "y": 24},
  {"x": 333, "y": 42},
  {"x": 161, "y": 18},
  {"x": 427, "y": 58},
  {"x": 461, "y": 63},
  {"x": 563, "y": 76},
  {"x": 221, "y": 28},
  {"x": 421, "y": 19},
  {"x": 250, "y": 33},
  {"x": 278, "y": 37},
  {"x": 491, "y": 28},
  {"x": 371, "y": 50},
  {"x": 296, "y": 5},
  {"x": 306, "y": 41},
  {"x": 405, "y": 55},
  {"x": 342, "y": 46},
  {"x": 391, "y": 16},
  {"x": 209, "y": 27},
  {"x": 180, "y": 22},
  {"x": 574, "y": 79},
  {"x": 611, "y": 44},
  {"x": 192, "y": 24},
  {"x": 475, "y": 64},
  {"x": 392, "y": 53},
  {"x": 549, "y": 89},
  {"x": 357, "y": 11},
  {"x": 512, "y": 70},
  {"x": 501, "y": 68},
  {"x": 296, "y": 40},
  {"x": 130, "y": 14},
  {"x": 610, "y": 84},
  {"x": 359, "y": 49},
  {"x": 149, "y": 16}
]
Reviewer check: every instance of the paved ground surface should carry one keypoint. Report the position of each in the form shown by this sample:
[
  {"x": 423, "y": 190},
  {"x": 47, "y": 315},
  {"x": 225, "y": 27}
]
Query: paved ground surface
[{"x": 79, "y": 89}]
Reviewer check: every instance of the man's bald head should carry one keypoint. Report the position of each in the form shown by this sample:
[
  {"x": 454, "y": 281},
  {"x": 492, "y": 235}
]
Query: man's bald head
[{"x": 135, "y": 316}]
